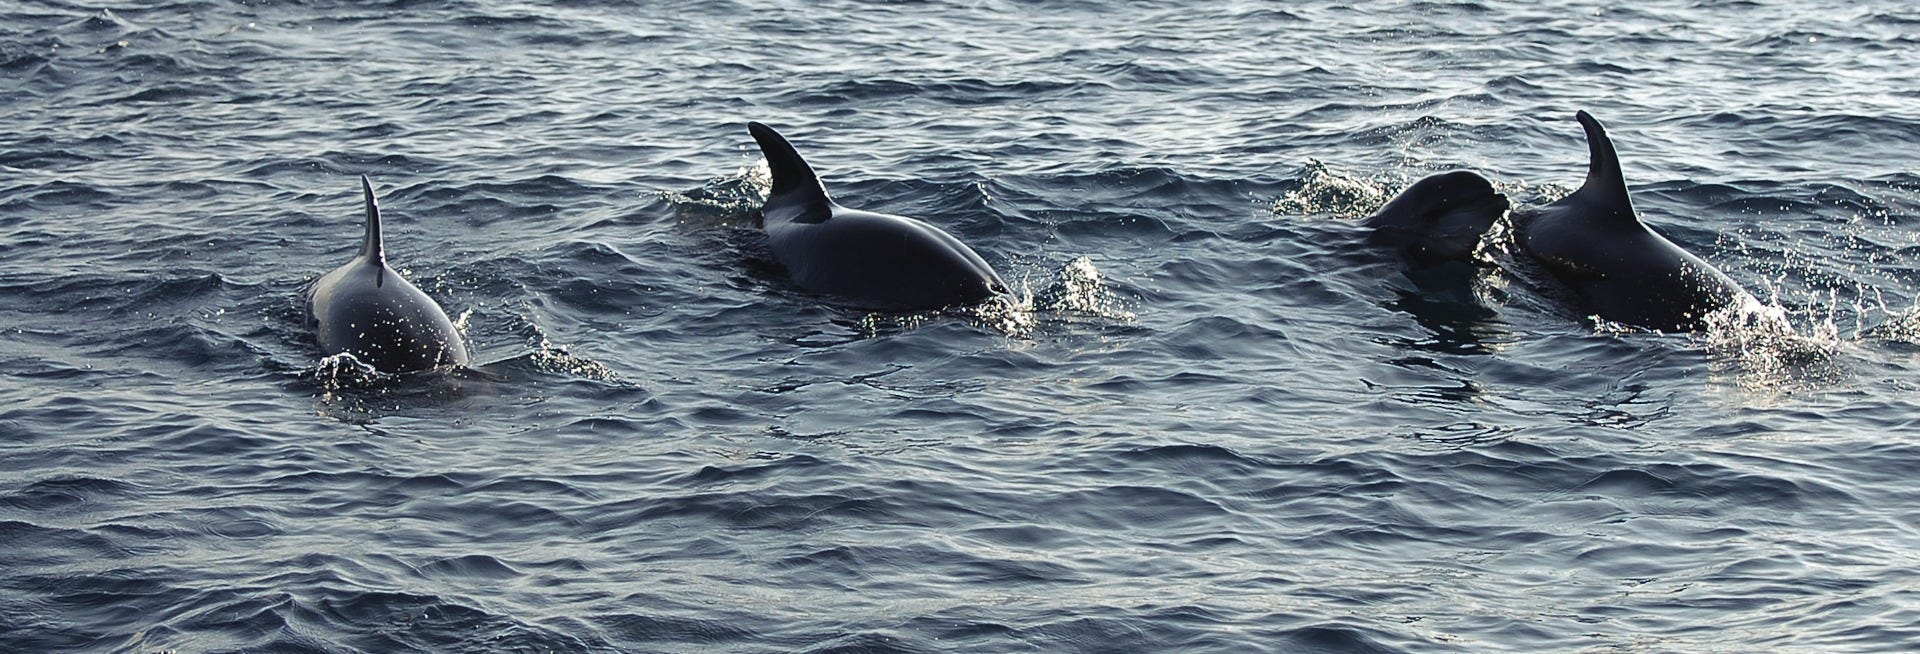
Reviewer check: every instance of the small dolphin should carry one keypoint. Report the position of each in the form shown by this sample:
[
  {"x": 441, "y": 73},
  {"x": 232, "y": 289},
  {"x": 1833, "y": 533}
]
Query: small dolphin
[
  {"x": 368, "y": 309},
  {"x": 1618, "y": 268},
  {"x": 1438, "y": 219},
  {"x": 869, "y": 260}
]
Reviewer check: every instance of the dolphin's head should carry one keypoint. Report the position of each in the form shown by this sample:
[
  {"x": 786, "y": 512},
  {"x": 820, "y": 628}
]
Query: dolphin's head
[{"x": 1439, "y": 218}]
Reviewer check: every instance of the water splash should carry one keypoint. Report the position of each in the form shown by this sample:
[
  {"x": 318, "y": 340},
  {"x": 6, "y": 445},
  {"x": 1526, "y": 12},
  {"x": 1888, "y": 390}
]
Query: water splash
[
  {"x": 1012, "y": 314},
  {"x": 1903, "y": 327},
  {"x": 1077, "y": 293},
  {"x": 1080, "y": 288},
  {"x": 1325, "y": 192},
  {"x": 878, "y": 324},
  {"x": 1757, "y": 345},
  {"x": 460, "y": 324},
  {"x": 731, "y": 200},
  {"x": 552, "y": 357},
  {"x": 345, "y": 384},
  {"x": 344, "y": 371}
]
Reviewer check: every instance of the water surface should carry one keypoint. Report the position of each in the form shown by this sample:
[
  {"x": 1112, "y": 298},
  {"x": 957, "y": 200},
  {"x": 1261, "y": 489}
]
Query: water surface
[{"x": 1216, "y": 423}]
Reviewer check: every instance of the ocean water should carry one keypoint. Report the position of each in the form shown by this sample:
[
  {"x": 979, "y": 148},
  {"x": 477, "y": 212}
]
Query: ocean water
[{"x": 1215, "y": 420}]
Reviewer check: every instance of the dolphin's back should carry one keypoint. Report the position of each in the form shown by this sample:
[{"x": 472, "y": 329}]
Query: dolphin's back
[{"x": 367, "y": 309}]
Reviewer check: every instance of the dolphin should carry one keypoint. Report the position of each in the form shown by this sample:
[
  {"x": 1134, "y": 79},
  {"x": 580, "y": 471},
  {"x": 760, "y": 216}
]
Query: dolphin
[
  {"x": 367, "y": 309},
  {"x": 1618, "y": 268},
  {"x": 868, "y": 260},
  {"x": 1438, "y": 219}
]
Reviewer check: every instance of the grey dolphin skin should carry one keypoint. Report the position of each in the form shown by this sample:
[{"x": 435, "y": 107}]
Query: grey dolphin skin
[
  {"x": 868, "y": 260},
  {"x": 1618, "y": 268},
  {"x": 1438, "y": 219},
  {"x": 369, "y": 310}
]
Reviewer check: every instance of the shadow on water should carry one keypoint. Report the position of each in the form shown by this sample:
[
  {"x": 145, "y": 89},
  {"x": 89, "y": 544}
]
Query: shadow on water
[{"x": 1448, "y": 300}]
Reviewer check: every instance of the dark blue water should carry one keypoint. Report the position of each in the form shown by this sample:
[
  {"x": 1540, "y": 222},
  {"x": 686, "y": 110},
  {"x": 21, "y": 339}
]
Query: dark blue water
[{"x": 1216, "y": 422}]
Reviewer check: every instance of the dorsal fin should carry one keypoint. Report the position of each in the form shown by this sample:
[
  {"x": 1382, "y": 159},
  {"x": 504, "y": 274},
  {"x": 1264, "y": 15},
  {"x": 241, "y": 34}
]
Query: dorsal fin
[
  {"x": 792, "y": 177},
  {"x": 374, "y": 249},
  {"x": 1604, "y": 182}
]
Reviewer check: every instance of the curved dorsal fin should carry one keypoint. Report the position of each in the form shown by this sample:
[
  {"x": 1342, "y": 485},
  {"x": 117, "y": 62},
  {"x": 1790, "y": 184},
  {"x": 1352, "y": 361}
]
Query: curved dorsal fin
[
  {"x": 374, "y": 249},
  {"x": 792, "y": 177},
  {"x": 1605, "y": 183}
]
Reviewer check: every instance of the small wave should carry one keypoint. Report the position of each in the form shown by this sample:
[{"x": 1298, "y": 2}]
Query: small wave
[
  {"x": 23, "y": 65},
  {"x": 1461, "y": 435},
  {"x": 961, "y": 92},
  {"x": 472, "y": 567},
  {"x": 68, "y": 494},
  {"x": 106, "y": 21}
]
